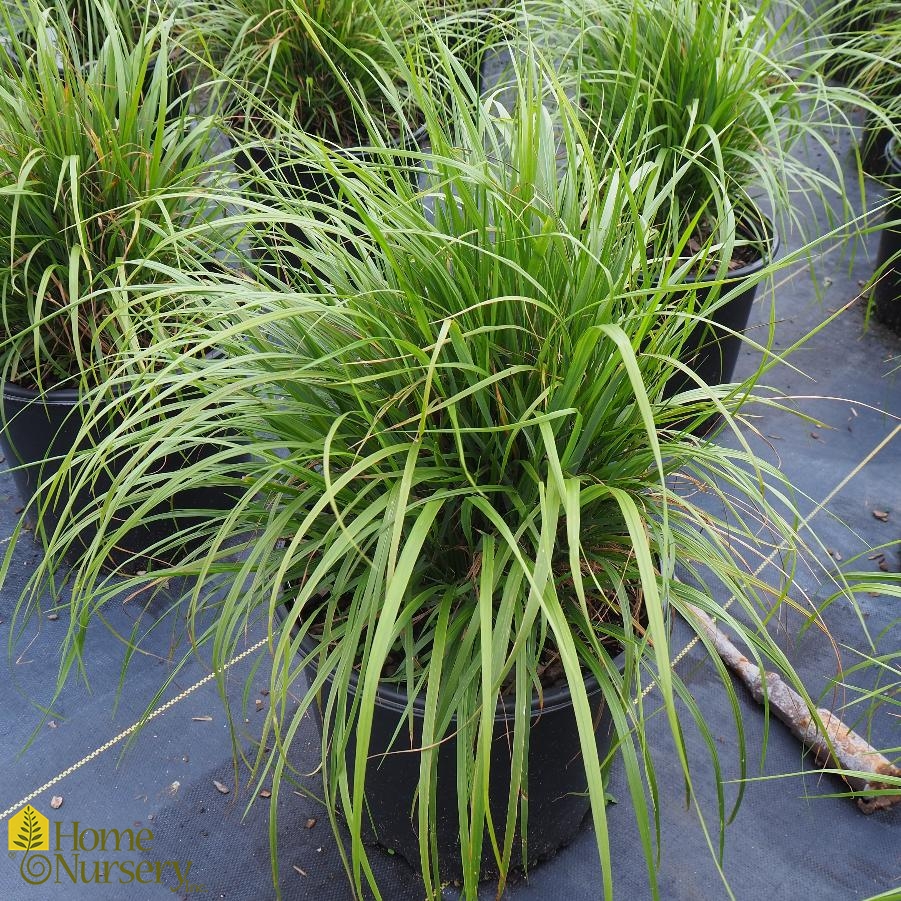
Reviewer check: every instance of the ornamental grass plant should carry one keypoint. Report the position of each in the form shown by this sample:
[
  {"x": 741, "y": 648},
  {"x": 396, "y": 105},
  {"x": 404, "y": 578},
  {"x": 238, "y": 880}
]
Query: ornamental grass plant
[
  {"x": 873, "y": 54},
  {"x": 456, "y": 468},
  {"x": 719, "y": 94},
  {"x": 861, "y": 32},
  {"x": 860, "y": 43},
  {"x": 90, "y": 22},
  {"x": 324, "y": 67},
  {"x": 106, "y": 185}
]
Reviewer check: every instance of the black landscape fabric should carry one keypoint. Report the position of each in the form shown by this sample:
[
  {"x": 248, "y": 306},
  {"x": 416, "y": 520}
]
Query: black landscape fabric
[{"x": 785, "y": 844}]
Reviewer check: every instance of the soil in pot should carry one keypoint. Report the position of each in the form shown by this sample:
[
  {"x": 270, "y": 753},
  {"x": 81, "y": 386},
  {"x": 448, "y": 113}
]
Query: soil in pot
[
  {"x": 40, "y": 428},
  {"x": 887, "y": 289}
]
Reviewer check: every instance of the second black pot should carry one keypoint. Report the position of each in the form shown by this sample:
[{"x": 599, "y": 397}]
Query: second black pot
[
  {"x": 711, "y": 349},
  {"x": 887, "y": 290},
  {"x": 873, "y": 146},
  {"x": 39, "y": 429}
]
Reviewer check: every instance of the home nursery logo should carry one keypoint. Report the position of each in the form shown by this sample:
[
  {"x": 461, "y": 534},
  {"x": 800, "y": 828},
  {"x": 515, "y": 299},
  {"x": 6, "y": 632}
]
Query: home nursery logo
[
  {"x": 79, "y": 855},
  {"x": 29, "y": 831}
]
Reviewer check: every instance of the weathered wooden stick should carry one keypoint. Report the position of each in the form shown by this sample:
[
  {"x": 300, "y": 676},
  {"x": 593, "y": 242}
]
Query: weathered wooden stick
[{"x": 840, "y": 746}]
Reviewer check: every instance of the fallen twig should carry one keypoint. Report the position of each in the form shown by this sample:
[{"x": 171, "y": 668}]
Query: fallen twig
[{"x": 839, "y": 746}]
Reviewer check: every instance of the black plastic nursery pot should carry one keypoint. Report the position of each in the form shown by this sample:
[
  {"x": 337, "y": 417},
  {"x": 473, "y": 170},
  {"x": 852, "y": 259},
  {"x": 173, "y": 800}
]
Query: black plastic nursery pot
[
  {"x": 557, "y": 785},
  {"x": 38, "y": 429},
  {"x": 873, "y": 146},
  {"x": 711, "y": 349},
  {"x": 887, "y": 290}
]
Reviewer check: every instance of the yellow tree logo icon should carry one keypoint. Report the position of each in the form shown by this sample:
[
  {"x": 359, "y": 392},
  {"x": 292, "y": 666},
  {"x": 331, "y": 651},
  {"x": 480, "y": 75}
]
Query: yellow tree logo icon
[{"x": 29, "y": 831}]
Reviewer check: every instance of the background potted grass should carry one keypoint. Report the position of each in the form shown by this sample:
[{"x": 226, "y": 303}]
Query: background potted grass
[
  {"x": 460, "y": 481},
  {"x": 717, "y": 94},
  {"x": 337, "y": 70},
  {"x": 101, "y": 191},
  {"x": 875, "y": 51},
  {"x": 89, "y": 25},
  {"x": 870, "y": 57},
  {"x": 846, "y": 24},
  {"x": 313, "y": 66},
  {"x": 470, "y": 29},
  {"x": 83, "y": 23},
  {"x": 331, "y": 69}
]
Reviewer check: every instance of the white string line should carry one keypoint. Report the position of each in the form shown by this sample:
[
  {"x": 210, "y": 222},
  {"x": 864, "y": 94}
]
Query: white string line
[{"x": 132, "y": 728}]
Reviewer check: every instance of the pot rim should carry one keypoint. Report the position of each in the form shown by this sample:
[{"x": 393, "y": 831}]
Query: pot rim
[
  {"x": 747, "y": 227},
  {"x": 50, "y": 397},
  {"x": 557, "y": 698},
  {"x": 58, "y": 397}
]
